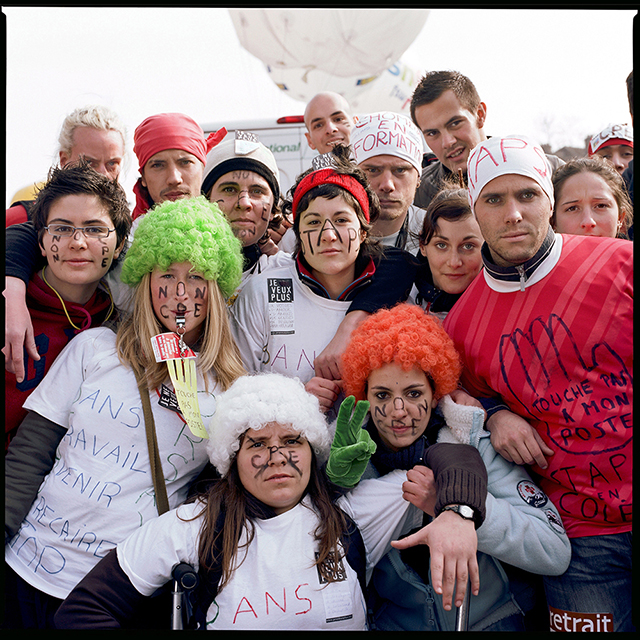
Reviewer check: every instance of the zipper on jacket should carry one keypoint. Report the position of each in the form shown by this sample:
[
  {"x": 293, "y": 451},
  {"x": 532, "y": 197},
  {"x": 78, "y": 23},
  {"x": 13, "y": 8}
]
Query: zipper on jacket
[{"x": 520, "y": 270}]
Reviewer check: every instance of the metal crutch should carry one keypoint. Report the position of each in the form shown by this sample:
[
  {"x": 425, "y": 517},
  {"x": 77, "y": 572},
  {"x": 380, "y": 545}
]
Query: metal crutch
[
  {"x": 185, "y": 578},
  {"x": 462, "y": 612}
]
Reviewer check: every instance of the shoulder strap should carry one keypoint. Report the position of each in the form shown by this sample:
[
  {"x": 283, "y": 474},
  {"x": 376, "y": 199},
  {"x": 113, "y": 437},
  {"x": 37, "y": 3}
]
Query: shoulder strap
[
  {"x": 356, "y": 552},
  {"x": 160, "y": 488}
]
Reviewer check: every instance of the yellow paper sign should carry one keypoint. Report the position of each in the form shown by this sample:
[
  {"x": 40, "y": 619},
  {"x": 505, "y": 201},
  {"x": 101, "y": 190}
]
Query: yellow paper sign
[{"x": 185, "y": 383}]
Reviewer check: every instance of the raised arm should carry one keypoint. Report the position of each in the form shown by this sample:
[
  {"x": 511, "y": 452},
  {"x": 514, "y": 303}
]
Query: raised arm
[{"x": 394, "y": 276}]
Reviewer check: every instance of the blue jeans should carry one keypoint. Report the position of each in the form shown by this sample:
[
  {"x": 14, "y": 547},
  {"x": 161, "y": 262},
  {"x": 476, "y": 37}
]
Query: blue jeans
[{"x": 596, "y": 587}]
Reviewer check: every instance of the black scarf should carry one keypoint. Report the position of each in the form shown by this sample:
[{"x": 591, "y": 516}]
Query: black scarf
[{"x": 386, "y": 460}]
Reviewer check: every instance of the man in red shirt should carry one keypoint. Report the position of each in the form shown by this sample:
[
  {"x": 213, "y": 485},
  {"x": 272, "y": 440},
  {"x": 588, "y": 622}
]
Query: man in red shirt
[{"x": 547, "y": 329}]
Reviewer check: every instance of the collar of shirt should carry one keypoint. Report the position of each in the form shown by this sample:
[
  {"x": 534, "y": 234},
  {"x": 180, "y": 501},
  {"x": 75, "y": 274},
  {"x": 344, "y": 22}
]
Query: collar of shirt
[{"x": 522, "y": 274}]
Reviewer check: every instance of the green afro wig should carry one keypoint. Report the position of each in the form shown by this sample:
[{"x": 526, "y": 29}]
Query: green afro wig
[{"x": 187, "y": 230}]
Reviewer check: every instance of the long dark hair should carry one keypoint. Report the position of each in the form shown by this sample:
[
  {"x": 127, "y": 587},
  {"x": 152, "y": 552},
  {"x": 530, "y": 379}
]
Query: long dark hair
[{"x": 229, "y": 509}]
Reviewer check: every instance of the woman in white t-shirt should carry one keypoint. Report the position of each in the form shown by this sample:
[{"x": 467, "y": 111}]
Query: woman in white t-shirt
[
  {"x": 284, "y": 317},
  {"x": 79, "y": 472},
  {"x": 274, "y": 546}
]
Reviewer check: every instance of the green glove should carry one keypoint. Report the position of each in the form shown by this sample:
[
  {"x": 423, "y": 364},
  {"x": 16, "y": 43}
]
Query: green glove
[{"x": 352, "y": 446}]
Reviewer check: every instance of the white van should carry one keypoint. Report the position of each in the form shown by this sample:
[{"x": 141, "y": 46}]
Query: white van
[{"x": 284, "y": 137}]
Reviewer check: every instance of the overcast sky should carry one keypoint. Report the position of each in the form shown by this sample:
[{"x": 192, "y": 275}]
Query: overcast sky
[{"x": 555, "y": 75}]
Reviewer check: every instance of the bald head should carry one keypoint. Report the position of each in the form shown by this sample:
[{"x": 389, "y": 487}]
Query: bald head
[{"x": 328, "y": 120}]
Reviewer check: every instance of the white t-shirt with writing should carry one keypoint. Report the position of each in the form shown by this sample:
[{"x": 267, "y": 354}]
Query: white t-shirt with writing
[
  {"x": 280, "y": 325},
  {"x": 277, "y": 585},
  {"x": 100, "y": 488}
]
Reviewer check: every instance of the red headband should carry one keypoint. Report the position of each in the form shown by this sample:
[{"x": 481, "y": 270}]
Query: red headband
[{"x": 330, "y": 176}]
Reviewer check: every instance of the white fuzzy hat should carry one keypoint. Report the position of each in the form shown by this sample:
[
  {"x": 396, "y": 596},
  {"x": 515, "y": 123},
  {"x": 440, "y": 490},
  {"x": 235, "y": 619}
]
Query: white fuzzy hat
[{"x": 252, "y": 402}]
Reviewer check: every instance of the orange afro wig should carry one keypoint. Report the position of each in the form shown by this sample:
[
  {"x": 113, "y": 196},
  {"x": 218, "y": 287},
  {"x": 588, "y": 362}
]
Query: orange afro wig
[{"x": 407, "y": 336}]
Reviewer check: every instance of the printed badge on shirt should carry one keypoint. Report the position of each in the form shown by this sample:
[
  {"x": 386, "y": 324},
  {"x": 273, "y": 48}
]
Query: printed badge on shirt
[
  {"x": 166, "y": 346},
  {"x": 168, "y": 399},
  {"x": 338, "y": 603},
  {"x": 281, "y": 313}
]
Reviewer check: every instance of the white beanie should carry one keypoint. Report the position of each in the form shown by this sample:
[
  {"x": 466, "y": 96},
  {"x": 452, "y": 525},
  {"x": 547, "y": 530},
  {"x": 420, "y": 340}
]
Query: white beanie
[
  {"x": 496, "y": 157},
  {"x": 252, "y": 402},
  {"x": 234, "y": 153},
  {"x": 387, "y": 134}
]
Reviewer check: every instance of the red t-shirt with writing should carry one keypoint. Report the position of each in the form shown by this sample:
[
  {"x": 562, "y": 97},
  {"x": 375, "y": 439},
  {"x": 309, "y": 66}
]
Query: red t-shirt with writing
[{"x": 559, "y": 354}]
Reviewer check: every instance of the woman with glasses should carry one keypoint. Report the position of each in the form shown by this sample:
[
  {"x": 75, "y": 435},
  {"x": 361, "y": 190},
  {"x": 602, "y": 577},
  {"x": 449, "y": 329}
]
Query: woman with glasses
[{"x": 82, "y": 219}]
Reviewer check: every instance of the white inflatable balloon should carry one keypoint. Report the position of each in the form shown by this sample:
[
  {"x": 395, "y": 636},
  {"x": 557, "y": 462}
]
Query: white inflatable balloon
[
  {"x": 303, "y": 84},
  {"x": 390, "y": 90},
  {"x": 346, "y": 43}
]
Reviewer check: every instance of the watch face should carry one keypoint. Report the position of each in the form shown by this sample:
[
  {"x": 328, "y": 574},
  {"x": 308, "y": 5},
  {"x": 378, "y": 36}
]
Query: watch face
[
  {"x": 462, "y": 510},
  {"x": 465, "y": 511}
]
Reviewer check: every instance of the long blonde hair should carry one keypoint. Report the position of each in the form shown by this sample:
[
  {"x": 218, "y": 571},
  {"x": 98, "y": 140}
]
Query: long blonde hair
[{"x": 218, "y": 352}]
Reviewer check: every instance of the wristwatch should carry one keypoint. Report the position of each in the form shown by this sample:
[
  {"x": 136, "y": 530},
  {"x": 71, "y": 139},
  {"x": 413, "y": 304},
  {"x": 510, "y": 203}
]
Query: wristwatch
[{"x": 462, "y": 510}]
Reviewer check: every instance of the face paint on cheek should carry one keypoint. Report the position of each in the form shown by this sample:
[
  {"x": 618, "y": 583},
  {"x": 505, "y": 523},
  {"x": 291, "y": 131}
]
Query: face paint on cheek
[
  {"x": 266, "y": 213},
  {"x": 162, "y": 292},
  {"x": 291, "y": 459},
  {"x": 308, "y": 243},
  {"x": 200, "y": 293},
  {"x": 256, "y": 461},
  {"x": 353, "y": 235},
  {"x": 423, "y": 410},
  {"x": 380, "y": 410},
  {"x": 260, "y": 466},
  {"x": 196, "y": 309},
  {"x": 105, "y": 252},
  {"x": 164, "y": 311}
]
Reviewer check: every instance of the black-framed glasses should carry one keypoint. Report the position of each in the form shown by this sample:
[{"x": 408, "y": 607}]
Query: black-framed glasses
[{"x": 66, "y": 231}]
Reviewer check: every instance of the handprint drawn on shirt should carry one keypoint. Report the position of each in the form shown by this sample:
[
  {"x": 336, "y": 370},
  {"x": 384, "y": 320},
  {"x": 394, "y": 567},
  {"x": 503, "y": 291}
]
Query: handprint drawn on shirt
[{"x": 589, "y": 396}]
